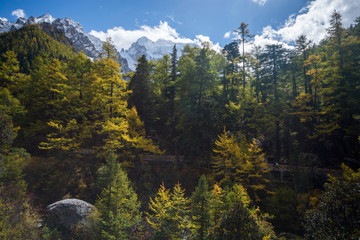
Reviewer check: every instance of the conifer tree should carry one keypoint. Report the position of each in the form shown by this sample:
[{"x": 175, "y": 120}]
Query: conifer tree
[
  {"x": 243, "y": 31},
  {"x": 169, "y": 214},
  {"x": 227, "y": 156},
  {"x": 302, "y": 45},
  {"x": 237, "y": 220},
  {"x": 118, "y": 204},
  {"x": 200, "y": 208},
  {"x": 141, "y": 96},
  {"x": 231, "y": 78},
  {"x": 241, "y": 162},
  {"x": 274, "y": 60},
  {"x": 158, "y": 214}
]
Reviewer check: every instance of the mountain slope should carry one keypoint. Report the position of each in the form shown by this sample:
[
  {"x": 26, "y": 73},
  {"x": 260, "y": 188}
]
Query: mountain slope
[
  {"x": 30, "y": 42},
  {"x": 75, "y": 36},
  {"x": 72, "y": 30}
]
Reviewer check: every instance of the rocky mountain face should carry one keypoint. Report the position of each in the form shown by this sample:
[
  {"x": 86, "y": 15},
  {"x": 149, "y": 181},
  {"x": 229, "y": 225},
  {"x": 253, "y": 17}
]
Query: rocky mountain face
[
  {"x": 152, "y": 50},
  {"x": 73, "y": 31}
]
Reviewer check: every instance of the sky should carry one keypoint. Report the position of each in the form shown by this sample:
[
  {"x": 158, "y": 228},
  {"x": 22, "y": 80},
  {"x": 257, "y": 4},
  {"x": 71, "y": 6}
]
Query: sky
[{"x": 189, "y": 21}]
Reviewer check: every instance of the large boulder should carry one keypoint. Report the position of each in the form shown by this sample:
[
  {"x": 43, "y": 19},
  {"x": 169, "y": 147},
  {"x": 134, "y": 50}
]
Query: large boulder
[{"x": 68, "y": 214}]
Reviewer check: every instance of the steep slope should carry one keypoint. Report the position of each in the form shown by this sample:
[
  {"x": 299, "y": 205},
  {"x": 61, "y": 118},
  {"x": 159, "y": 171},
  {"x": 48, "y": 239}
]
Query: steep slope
[
  {"x": 30, "y": 42},
  {"x": 72, "y": 30}
]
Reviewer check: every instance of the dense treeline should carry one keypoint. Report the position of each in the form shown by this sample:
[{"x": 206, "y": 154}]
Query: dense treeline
[
  {"x": 302, "y": 104},
  {"x": 72, "y": 127}
]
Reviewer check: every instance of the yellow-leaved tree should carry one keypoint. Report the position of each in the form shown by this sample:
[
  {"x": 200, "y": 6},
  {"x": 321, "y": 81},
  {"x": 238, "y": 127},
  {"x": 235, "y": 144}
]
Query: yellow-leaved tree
[{"x": 240, "y": 162}]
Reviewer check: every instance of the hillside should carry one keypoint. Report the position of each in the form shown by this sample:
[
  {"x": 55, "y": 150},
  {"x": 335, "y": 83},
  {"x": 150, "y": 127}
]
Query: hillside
[{"x": 30, "y": 42}]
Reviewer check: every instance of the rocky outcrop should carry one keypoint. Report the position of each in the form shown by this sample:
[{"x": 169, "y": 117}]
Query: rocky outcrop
[{"x": 66, "y": 215}]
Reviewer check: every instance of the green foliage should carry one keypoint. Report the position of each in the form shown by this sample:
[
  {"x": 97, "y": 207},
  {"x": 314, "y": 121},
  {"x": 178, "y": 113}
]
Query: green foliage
[
  {"x": 241, "y": 162},
  {"x": 141, "y": 96},
  {"x": 48, "y": 234},
  {"x": 283, "y": 206},
  {"x": 200, "y": 208},
  {"x": 234, "y": 217},
  {"x": 337, "y": 214},
  {"x": 196, "y": 85},
  {"x": 10, "y": 109},
  {"x": 18, "y": 220},
  {"x": 118, "y": 204},
  {"x": 168, "y": 214},
  {"x": 30, "y": 42}
]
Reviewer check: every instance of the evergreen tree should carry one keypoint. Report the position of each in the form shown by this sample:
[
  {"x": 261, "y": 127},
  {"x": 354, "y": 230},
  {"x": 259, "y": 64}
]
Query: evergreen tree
[
  {"x": 340, "y": 78},
  {"x": 274, "y": 60},
  {"x": 118, "y": 205},
  {"x": 231, "y": 80},
  {"x": 241, "y": 162},
  {"x": 169, "y": 214},
  {"x": 302, "y": 45},
  {"x": 141, "y": 95},
  {"x": 243, "y": 31},
  {"x": 197, "y": 105},
  {"x": 200, "y": 208},
  {"x": 238, "y": 220}
]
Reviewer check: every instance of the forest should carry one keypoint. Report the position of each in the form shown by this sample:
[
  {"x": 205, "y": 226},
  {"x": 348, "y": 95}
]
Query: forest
[{"x": 184, "y": 147}]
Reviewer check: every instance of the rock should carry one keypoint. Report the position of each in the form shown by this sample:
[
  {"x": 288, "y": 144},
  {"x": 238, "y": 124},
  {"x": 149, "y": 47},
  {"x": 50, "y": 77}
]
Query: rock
[{"x": 66, "y": 215}]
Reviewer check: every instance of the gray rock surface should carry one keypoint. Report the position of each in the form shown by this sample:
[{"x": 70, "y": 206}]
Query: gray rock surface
[{"x": 66, "y": 214}]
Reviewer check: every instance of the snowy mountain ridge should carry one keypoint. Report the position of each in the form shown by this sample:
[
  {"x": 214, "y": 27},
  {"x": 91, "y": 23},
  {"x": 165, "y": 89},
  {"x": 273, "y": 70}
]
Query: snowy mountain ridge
[
  {"x": 91, "y": 45},
  {"x": 152, "y": 50}
]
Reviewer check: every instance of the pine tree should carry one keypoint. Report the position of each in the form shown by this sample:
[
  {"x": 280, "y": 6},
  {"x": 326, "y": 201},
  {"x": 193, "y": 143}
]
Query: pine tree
[
  {"x": 231, "y": 79},
  {"x": 158, "y": 214},
  {"x": 243, "y": 31},
  {"x": 10, "y": 76},
  {"x": 226, "y": 157},
  {"x": 141, "y": 96},
  {"x": 168, "y": 214},
  {"x": 238, "y": 220},
  {"x": 338, "y": 91},
  {"x": 241, "y": 162},
  {"x": 274, "y": 60},
  {"x": 302, "y": 45},
  {"x": 253, "y": 172},
  {"x": 118, "y": 204},
  {"x": 200, "y": 208}
]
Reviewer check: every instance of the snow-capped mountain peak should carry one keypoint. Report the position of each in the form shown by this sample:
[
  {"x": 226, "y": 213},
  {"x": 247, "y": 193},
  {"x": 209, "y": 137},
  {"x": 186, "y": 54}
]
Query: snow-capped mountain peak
[
  {"x": 46, "y": 18},
  {"x": 152, "y": 50}
]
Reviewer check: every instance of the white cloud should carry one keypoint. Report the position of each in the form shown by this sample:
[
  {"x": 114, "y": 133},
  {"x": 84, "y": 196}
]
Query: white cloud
[
  {"x": 260, "y": 2},
  {"x": 19, "y": 13},
  {"x": 227, "y": 34},
  {"x": 123, "y": 38},
  {"x": 3, "y": 19},
  {"x": 206, "y": 39},
  {"x": 311, "y": 21},
  {"x": 172, "y": 18}
]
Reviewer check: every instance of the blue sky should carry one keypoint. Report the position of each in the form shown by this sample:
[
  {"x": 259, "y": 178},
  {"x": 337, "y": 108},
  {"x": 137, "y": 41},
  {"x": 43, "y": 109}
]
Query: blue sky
[{"x": 190, "y": 20}]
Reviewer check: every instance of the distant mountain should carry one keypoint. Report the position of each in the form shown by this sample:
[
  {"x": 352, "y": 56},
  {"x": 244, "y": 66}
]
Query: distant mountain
[
  {"x": 73, "y": 31},
  {"x": 152, "y": 50},
  {"x": 91, "y": 45}
]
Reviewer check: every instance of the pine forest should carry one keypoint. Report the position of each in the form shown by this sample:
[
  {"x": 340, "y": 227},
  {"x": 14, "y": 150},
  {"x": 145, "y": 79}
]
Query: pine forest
[{"x": 200, "y": 144}]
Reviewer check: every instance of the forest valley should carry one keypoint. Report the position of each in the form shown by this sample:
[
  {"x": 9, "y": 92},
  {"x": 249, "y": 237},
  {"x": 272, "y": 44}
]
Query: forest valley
[{"x": 72, "y": 127}]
